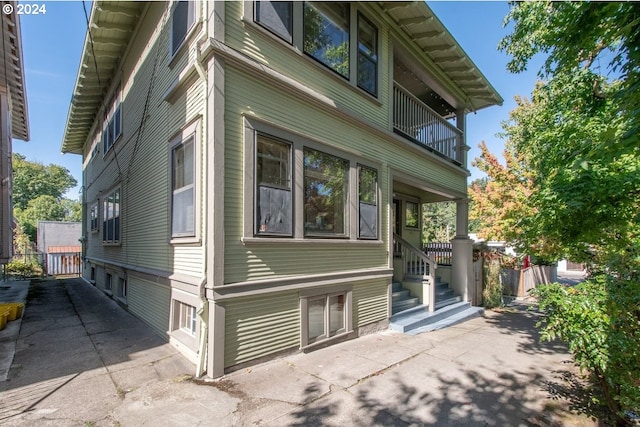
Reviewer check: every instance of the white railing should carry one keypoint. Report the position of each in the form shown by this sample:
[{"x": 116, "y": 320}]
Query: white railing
[
  {"x": 417, "y": 265},
  {"x": 414, "y": 119}
]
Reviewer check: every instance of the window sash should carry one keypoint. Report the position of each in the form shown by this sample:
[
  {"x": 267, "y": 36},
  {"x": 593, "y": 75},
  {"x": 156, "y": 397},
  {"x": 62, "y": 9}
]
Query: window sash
[
  {"x": 188, "y": 319},
  {"x": 326, "y": 34},
  {"x": 326, "y": 316},
  {"x": 412, "y": 213},
  {"x": 111, "y": 217},
  {"x": 277, "y": 17},
  {"x": 273, "y": 198},
  {"x": 367, "y": 55},
  {"x": 326, "y": 189},
  {"x": 183, "y": 188},
  {"x": 182, "y": 19}
]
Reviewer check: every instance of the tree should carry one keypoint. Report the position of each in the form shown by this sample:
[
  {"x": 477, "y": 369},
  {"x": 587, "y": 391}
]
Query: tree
[
  {"x": 438, "y": 221},
  {"x": 33, "y": 179},
  {"x": 579, "y": 139},
  {"x": 42, "y": 208},
  {"x": 73, "y": 210},
  {"x": 501, "y": 202}
]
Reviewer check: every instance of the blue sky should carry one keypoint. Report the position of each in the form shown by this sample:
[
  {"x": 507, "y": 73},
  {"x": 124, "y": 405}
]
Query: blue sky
[{"x": 52, "y": 44}]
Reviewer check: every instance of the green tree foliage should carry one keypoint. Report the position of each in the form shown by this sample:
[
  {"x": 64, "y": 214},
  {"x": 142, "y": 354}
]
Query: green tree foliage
[
  {"x": 579, "y": 138},
  {"x": 37, "y": 194},
  {"x": 32, "y": 179},
  {"x": 438, "y": 221}
]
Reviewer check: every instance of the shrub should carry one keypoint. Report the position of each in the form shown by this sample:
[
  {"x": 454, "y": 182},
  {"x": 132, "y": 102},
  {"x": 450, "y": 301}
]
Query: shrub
[
  {"x": 599, "y": 319},
  {"x": 492, "y": 292},
  {"x": 23, "y": 268}
]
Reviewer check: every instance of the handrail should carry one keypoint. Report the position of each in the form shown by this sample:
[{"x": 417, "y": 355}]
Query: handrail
[{"x": 417, "y": 265}]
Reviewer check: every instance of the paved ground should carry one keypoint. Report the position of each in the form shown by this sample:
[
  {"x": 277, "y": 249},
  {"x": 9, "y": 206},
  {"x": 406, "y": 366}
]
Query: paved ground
[{"x": 81, "y": 360}]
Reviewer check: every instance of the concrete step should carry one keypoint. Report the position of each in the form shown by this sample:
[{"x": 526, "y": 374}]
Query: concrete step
[
  {"x": 403, "y": 305},
  {"x": 420, "y": 317},
  {"x": 444, "y": 293},
  {"x": 463, "y": 316},
  {"x": 400, "y": 295},
  {"x": 396, "y": 287},
  {"x": 445, "y": 302}
]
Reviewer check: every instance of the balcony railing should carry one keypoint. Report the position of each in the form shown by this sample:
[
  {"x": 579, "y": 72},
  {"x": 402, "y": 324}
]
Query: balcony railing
[{"x": 415, "y": 120}]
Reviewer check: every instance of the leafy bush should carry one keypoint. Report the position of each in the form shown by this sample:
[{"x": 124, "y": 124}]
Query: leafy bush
[
  {"x": 23, "y": 268},
  {"x": 600, "y": 321},
  {"x": 492, "y": 292}
]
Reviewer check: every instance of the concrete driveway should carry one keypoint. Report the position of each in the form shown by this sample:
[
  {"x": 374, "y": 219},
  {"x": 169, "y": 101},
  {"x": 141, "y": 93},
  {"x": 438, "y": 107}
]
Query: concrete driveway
[{"x": 81, "y": 360}]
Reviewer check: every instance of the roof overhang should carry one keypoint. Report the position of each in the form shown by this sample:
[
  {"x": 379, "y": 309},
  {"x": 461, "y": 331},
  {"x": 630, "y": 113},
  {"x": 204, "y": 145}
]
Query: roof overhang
[
  {"x": 12, "y": 74},
  {"x": 422, "y": 28},
  {"x": 111, "y": 26}
]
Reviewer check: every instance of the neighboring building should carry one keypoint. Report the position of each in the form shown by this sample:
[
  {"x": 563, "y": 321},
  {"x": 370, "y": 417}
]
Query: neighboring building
[
  {"x": 14, "y": 120},
  {"x": 58, "y": 233},
  {"x": 59, "y": 244},
  {"x": 254, "y": 171}
]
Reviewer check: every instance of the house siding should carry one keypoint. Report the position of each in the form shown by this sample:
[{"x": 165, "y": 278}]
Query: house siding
[
  {"x": 250, "y": 39},
  {"x": 140, "y": 160},
  {"x": 150, "y": 302},
  {"x": 370, "y": 302},
  {"x": 259, "y": 326},
  {"x": 246, "y": 95}
]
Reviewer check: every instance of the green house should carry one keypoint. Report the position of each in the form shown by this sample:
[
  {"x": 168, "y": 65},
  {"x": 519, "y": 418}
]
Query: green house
[{"x": 254, "y": 171}]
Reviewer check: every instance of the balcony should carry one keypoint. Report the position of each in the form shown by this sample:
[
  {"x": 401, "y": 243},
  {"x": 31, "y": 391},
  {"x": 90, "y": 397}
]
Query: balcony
[{"x": 419, "y": 123}]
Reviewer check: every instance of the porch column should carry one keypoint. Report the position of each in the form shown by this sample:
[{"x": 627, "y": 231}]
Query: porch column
[
  {"x": 462, "y": 148},
  {"x": 462, "y": 253}
]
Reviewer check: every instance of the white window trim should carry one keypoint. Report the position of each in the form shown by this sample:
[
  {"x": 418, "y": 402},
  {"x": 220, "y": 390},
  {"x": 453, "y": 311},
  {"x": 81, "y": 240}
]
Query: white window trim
[
  {"x": 194, "y": 128},
  {"x": 180, "y": 297},
  {"x": 195, "y": 26},
  {"x": 298, "y": 143},
  {"x": 115, "y": 107},
  {"x": 248, "y": 18}
]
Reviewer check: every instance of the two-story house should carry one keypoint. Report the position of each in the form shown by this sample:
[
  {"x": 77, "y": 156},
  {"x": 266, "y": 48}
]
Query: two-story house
[
  {"x": 14, "y": 119},
  {"x": 254, "y": 171}
]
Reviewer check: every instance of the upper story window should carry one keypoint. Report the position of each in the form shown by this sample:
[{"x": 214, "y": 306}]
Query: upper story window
[
  {"x": 113, "y": 126},
  {"x": 277, "y": 17},
  {"x": 367, "y": 55},
  {"x": 183, "y": 16},
  {"x": 327, "y": 32}
]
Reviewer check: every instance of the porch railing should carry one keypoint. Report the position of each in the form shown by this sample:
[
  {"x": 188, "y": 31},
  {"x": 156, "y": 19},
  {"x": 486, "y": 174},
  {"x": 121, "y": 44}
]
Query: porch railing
[
  {"x": 417, "y": 265},
  {"x": 414, "y": 119},
  {"x": 439, "y": 252}
]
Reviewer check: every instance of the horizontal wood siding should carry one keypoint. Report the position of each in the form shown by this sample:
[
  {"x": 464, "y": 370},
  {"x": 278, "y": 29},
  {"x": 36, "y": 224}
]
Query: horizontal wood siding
[
  {"x": 140, "y": 160},
  {"x": 260, "y": 45},
  {"x": 151, "y": 302},
  {"x": 370, "y": 302},
  {"x": 259, "y": 326},
  {"x": 247, "y": 95}
]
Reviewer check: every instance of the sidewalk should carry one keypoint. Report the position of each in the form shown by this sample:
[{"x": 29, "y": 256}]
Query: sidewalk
[{"x": 82, "y": 362}]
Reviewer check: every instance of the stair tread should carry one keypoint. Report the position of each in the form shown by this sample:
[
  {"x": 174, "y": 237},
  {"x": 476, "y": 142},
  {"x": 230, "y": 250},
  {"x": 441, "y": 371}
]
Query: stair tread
[
  {"x": 420, "y": 317},
  {"x": 468, "y": 314}
]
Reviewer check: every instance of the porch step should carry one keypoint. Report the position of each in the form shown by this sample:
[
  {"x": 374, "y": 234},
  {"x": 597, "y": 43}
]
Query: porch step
[
  {"x": 404, "y": 304},
  {"x": 396, "y": 287},
  {"x": 400, "y": 295},
  {"x": 421, "y": 320},
  {"x": 441, "y": 303}
]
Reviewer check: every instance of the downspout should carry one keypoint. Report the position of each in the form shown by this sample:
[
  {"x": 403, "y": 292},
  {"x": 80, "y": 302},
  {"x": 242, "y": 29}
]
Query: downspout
[{"x": 203, "y": 311}]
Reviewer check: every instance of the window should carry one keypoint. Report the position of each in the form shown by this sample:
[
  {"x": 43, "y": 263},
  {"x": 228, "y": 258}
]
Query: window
[
  {"x": 111, "y": 217},
  {"x": 273, "y": 180},
  {"x": 187, "y": 319},
  {"x": 325, "y": 194},
  {"x": 93, "y": 275},
  {"x": 326, "y": 34},
  {"x": 183, "y": 17},
  {"x": 322, "y": 30},
  {"x": 108, "y": 282},
  {"x": 326, "y": 316},
  {"x": 113, "y": 127},
  {"x": 122, "y": 288},
  {"x": 368, "y": 202},
  {"x": 367, "y": 55},
  {"x": 94, "y": 217},
  {"x": 412, "y": 212},
  {"x": 183, "y": 188},
  {"x": 277, "y": 17}
]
